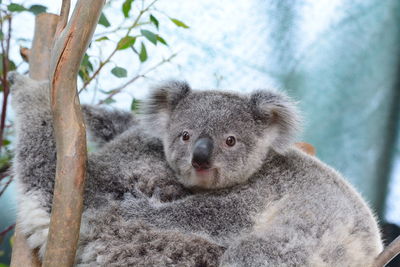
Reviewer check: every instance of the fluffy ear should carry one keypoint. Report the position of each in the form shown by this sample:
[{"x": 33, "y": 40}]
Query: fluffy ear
[
  {"x": 159, "y": 105},
  {"x": 277, "y": 112}
]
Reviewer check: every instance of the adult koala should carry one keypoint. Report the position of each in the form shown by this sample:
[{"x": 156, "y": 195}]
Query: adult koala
[
  {"x": 254, "y": 200},
  {"x": 127, "y": 163}
]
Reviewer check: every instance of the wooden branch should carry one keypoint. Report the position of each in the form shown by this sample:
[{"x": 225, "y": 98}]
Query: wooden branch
[
  {"x": 64, "y": 13},
  {"x": 22, "y": 255},
  {"x": 24, "y": 52},
  {"x": 39, "y": 61},
  {"x": 70, "y": 133},
  {"x": 391, "y": 251},
  {"x": 45, "y": 27}
]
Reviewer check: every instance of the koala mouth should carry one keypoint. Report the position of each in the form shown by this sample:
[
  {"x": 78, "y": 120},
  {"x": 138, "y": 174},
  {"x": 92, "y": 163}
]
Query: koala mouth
[
  {"x": 204, "y": 171},
  {"x": 205, "y": 178}
]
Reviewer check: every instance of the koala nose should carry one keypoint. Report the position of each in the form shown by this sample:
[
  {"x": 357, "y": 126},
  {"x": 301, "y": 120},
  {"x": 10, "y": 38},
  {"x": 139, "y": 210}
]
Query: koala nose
[{"x": 202, "y": 153}]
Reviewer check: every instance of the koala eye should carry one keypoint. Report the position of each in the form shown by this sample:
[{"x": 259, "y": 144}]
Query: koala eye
[
  {"x": 230, "y": 141},
  {"x": 185, "y": 136}
]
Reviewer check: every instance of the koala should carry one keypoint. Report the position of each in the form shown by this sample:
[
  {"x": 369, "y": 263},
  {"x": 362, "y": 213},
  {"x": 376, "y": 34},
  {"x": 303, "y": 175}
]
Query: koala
[
  {"x": 127, "y": 162},
  {"x": 202, "y": 178}
]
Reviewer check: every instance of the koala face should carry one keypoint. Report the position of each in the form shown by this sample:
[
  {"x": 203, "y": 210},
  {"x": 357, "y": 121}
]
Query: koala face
[{"x": 216, "y": 139}]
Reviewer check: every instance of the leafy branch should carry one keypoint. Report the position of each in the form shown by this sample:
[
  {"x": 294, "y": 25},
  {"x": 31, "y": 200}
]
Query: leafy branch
[
  {"x": 146, "y": 16},
  {"x": 118, "y": 89},
  {"x": 126, "y": 42}
]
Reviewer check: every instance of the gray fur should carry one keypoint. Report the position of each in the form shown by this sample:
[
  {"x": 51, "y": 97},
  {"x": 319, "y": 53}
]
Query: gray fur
[
  {"x": 105, "y": 124},
  {"x": 260, "y": 122},
  {"x": 115, "y": 169},
  {"x": 263, "y": 203}
]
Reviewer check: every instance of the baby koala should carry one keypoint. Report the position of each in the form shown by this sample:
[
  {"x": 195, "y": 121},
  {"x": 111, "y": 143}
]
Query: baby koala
[{"x": 266, "y": 202}]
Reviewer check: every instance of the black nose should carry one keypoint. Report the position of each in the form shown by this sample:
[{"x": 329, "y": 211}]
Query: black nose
[{"x": 202, "y": 153}]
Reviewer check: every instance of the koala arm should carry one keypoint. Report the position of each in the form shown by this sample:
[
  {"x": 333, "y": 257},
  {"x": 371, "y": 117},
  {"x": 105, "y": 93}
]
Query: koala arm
[
  {"x": 104, "y": 124},
  {"x": 34, "y": 163},
  {"x": 35, "y": 150},
  {"x": 279, "y": 246},
  {"x": 35, "y": 159}
]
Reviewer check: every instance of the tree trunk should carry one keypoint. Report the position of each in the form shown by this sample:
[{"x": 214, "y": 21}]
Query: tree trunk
[
  {"x": 59, "y": 62},
  {"x": 72, "y": 40}
]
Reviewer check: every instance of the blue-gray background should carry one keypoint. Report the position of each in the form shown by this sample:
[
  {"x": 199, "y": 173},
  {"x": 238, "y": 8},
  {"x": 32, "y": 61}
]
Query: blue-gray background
[{"x": 340, "y": 59}]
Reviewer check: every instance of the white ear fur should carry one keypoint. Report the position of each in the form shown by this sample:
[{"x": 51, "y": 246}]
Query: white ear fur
[
  {"x": 163, "y": 99},
  {"x": 277, "y": 112}
]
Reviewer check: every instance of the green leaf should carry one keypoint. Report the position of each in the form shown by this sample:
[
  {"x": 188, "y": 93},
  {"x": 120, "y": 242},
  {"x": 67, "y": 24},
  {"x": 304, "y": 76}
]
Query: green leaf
[
  {"x": 126, "y": 42},
  {"x": 11, "y": 64},
  {"x": 86, "y": 62},
  {"x": 126, "y": 7},
  {"x": 1, "y": 35},
  {"x": 3, "y": 265},
  {"x": 179, "y": 23},
  {"x": 109, "y": 101},
  {"x": 82, "y": 76},
  {"x": 150, "y": 36},
  {"x": 154, "y": 21},
  {"x": 104, "y": 21},
  {"x": 6, "y": 142},
  {"x": 107, "y": 92},
  {"x": 161, "y": 40},
  {"x": 12, "y": 239},
  {"x": 143, "y": 53},
  {"x": 37, "y": 9},
  {"x": 119, "y": 72},
  {"x": 104, "y": 38},
  {"x": 85, "y": 68},
  {"x": 135, "y": 104},
  {"x": 15, "y": 8}
]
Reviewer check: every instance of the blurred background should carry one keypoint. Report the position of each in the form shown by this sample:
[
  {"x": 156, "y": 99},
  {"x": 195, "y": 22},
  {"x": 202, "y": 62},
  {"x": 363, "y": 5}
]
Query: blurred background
[{"x": 339, "y": 59}]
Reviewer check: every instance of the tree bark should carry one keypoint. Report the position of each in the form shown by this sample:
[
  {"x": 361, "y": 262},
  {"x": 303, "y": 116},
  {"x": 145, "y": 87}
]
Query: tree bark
[
  {"x": 40, "y": 54},
  {"x": 69, "y": 49},
  {"x": 22, "y": 255}
]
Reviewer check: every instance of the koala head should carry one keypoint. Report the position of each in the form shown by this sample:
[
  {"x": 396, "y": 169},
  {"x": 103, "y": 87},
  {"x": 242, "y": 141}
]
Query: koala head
[{"x": 217, "y": 139}]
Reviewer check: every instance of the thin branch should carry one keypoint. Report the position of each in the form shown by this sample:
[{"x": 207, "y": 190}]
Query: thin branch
[
  {"x": 119, "y": 28},
  {"x": 133, "y": 79},
  {"x": 64, "y": 13},
  {"x": 102, "y": 64},
  {"x": 5, "y": 231},
  {"x": 5, "y": 51},
  {"x": 119, "y": 89},
  {"x": 5, "y": 167},
  {"x": 6, "y": 185}
]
